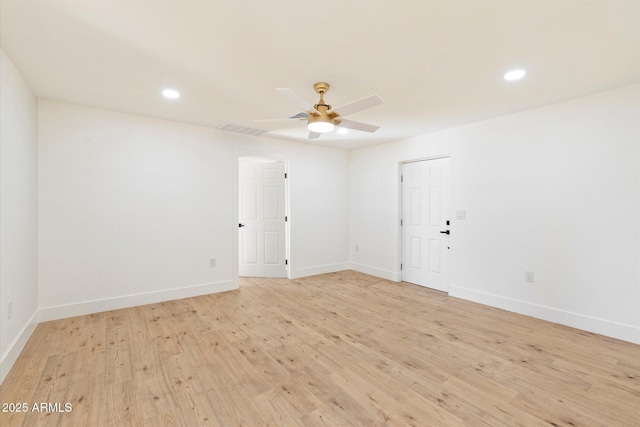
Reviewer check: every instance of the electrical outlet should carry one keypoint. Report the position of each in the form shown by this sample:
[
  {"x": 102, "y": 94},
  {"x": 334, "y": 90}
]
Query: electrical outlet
[
  {"x": 10, "y": 310},
  {"x": 461, "y": 214},
  {"x": 212, "y": 262},
  {"x": 528, "y": 276}
]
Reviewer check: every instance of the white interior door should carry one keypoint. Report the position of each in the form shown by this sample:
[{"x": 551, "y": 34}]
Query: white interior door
[
  {"x": 425, "y": 198},
  {"x": 262, "y": 237}
]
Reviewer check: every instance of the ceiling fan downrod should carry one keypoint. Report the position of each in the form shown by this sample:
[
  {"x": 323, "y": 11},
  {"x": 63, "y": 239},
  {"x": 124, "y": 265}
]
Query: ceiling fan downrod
[{"x": 321, "y": 88}]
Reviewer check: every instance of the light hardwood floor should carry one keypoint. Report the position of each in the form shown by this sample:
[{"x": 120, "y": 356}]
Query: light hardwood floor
[{"x": 333, "y": 350}]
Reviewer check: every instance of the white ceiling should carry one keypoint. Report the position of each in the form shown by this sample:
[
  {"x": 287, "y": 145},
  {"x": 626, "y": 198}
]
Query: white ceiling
[{"x": 437, "y": 64}]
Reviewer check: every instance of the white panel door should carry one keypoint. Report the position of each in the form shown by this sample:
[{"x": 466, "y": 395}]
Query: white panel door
[
  {"x": 262, "y": 220},
  {"x": 425, "y": 198}
]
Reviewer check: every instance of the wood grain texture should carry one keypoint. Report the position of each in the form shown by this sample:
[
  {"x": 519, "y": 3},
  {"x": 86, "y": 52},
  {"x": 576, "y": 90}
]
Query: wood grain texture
[{"x": 340, "y": 349}]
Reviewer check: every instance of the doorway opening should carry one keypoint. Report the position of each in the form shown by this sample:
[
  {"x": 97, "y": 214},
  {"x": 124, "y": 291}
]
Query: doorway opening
[
  {"x": 262, "y": 218},
  {"x": 425, "y": 224}
]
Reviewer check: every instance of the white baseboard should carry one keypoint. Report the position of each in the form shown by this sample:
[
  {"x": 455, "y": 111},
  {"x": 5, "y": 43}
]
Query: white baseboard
[
  {"x": 320, "y": 269},
  {"x": 588, "y": 323},
  {"x": 96, "y": 306},
  {"x": 394, "y": 276},
  {"x": 11, "y": 355}
]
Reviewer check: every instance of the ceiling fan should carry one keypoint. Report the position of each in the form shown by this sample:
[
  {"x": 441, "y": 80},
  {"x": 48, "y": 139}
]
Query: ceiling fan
[{"x": 321, "y": 118}]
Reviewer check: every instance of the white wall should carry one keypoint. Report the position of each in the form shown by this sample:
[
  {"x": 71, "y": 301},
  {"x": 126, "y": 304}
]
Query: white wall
[
  {"x": 319, "y": 210},
  {"x": 132, "y": 208},
  {"x": 555, "y": 190},
  {"x": 18, "y": 213}
]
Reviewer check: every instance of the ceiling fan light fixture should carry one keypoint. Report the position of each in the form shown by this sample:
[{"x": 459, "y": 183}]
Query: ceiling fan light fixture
[{"x": 321, "y": 127}]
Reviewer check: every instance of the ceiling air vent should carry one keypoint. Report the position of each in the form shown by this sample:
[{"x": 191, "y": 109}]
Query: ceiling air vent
[{"x": 232, "y": 127}]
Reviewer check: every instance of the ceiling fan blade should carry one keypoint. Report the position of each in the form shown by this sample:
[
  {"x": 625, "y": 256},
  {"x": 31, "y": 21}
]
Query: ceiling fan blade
[
  {"x": 350, "y": 124},
  {"x": 314, "y": 135},
  {"x": 295, "y": 117},
  {"x": 355, "y": 106},
  {"x": 294, "y": 98}
]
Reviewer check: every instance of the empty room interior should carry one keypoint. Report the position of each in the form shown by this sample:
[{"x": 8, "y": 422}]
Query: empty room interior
[{"x": 419, "y": 213}]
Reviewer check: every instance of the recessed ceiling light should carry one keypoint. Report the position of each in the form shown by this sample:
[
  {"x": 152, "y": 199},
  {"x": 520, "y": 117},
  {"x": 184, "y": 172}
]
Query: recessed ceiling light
[
  {"x": 342, "y": 131},
  {"x": 171, "y": 94},
  {"x": 514, "y": 75}
]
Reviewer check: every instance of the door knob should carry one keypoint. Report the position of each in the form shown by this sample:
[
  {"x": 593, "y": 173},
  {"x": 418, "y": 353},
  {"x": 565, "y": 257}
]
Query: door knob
[
  {"x": 240, "y": 225},
  {"x": 445, "y": 232}
]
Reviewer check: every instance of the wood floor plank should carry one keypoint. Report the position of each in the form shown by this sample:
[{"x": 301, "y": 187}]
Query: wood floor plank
[{"x": 338, "y": 349}]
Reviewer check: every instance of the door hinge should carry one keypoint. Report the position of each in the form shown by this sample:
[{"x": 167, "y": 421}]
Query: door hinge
[
  {"x": 285, "y": 175},
  {"x": 401, "y": 178},
  {"x": 286, "y": 262},
  {"x": 400, "y": 266},
  {"x": 401, "y": 223},
  {"x": 286, "y": 218}
]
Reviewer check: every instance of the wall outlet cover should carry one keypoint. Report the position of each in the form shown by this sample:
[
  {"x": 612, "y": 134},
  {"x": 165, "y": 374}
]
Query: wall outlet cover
[{"x": 528, "y": 276}]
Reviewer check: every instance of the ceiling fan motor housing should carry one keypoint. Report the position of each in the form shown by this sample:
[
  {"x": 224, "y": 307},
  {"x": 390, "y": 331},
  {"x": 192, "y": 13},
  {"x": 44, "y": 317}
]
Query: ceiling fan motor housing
[{"x": 320, "y": 119}]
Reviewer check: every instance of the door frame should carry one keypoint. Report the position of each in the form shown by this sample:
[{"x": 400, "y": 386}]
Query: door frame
[
  {"x": 235, "y": 203},
  {"x": 401, "y": 210}
]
